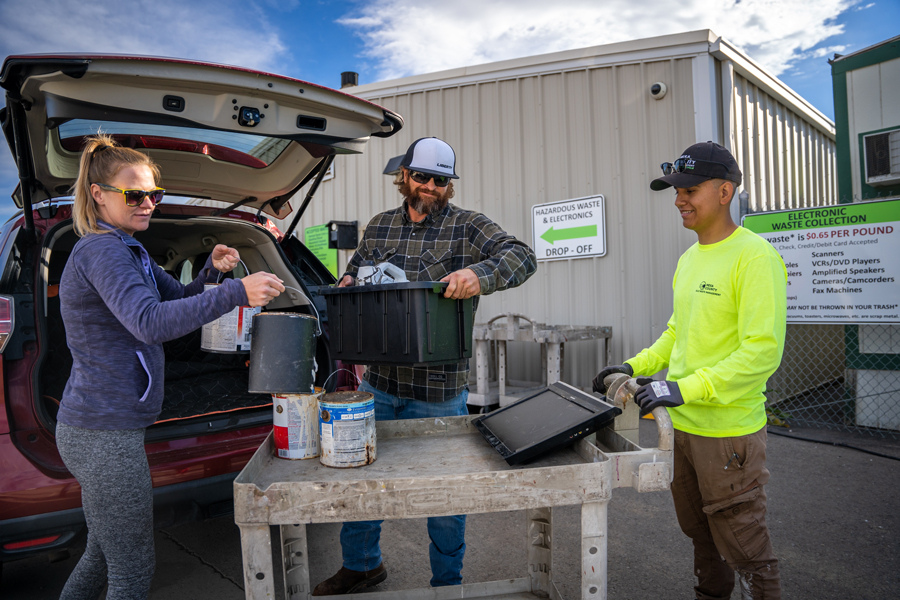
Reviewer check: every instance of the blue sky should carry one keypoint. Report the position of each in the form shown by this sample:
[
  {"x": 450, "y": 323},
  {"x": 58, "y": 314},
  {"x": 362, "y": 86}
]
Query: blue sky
[{"x": 385, "y": 39}]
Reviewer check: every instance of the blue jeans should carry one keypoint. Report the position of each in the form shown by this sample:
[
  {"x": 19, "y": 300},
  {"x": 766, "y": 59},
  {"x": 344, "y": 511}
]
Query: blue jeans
[{"x": 360, "y": 539}]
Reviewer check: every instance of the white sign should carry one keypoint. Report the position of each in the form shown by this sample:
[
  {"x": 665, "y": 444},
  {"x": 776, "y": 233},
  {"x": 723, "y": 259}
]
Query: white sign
[
  {"x": 842, "y": 260},
  {"x": 569, "y": 229}
]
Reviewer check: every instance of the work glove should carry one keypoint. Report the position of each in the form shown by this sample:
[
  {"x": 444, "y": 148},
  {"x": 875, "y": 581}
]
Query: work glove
[
  {"x": 599, "y": 386},
  {"x": 658, "y": 393}
]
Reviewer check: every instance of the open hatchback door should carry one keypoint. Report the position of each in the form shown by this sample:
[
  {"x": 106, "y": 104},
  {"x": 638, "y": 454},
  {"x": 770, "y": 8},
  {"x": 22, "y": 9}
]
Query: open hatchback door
[{"x": 223, "y": 133}]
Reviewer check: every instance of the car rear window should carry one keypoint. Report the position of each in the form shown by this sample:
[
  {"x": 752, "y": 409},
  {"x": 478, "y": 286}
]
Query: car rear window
[{"x": 239, "y": 148}]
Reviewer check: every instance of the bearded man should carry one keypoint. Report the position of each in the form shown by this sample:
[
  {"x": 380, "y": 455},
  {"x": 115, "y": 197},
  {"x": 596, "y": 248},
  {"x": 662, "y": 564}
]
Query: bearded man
[{"x": 431, "y": 240}]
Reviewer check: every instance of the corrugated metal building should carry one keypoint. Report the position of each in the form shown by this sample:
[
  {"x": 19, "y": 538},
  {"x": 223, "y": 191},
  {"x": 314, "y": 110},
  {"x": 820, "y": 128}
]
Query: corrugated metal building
[{"x": 581, "y": 123}]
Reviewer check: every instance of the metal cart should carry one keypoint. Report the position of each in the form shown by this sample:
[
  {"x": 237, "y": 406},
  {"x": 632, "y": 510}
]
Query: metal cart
[
  {"x": 434, "y": 467},
  {"x": 512, "y": 327}
]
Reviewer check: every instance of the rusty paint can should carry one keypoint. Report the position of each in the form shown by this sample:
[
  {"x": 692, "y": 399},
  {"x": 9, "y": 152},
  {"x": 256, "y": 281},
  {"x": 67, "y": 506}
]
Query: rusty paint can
[
  {"x": 296, "y": 425},
  {"x": 230, "y": 333},
  {"x": 347, "y": 429}
]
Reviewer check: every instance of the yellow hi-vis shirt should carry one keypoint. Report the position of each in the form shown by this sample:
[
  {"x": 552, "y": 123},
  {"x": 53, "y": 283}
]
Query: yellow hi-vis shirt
[{"x": 725, "y": 337}]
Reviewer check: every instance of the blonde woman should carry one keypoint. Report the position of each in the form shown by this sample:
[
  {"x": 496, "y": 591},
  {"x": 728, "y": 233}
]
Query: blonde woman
[{"x": 118, "y": 307}]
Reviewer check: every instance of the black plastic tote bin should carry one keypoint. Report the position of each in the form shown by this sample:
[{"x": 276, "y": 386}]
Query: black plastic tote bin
[{"x": 409, "y": 323}]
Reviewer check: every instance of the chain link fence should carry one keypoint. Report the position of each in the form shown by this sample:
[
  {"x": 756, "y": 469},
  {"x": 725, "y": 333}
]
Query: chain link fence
[{"x": 843, "y": 377}]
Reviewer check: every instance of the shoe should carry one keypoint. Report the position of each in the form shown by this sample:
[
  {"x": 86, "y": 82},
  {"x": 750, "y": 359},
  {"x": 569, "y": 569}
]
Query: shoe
[{"x": 346, "y": 581}]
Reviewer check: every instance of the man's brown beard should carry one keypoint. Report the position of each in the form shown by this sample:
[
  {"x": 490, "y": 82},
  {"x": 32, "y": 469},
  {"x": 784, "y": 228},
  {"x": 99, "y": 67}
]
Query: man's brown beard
[{"x": 426, "y": 206}]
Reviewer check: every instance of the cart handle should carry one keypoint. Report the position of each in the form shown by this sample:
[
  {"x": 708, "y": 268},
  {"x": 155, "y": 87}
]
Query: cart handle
[
  {"x": 503, "y": 316},
  {"x": 622, "y": 389}
]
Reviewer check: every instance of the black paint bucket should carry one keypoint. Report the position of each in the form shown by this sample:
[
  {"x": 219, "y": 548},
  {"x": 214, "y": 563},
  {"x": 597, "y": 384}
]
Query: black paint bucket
[{"x": 283, "y": 354}]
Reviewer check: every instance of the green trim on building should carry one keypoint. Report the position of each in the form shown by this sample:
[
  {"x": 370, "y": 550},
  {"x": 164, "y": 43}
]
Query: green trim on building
[
  {"x": 874, "y": 362},
  {"x": 868, "y": 191},
  {"x": 879, "y": 53},
  {"x": 842, "y": 137}
]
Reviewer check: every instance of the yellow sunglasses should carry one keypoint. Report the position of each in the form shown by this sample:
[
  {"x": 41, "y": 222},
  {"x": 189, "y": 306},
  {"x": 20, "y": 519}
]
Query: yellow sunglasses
[{"x": 135, "y": 197}]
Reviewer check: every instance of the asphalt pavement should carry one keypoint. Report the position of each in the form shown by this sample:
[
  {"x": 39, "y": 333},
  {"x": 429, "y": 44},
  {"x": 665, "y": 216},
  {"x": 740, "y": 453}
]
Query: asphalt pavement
[{"x": 833, "y": 514}]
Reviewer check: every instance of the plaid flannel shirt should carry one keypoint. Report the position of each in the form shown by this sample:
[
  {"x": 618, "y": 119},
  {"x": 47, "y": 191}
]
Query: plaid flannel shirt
[{"x": 428, "y": 251}]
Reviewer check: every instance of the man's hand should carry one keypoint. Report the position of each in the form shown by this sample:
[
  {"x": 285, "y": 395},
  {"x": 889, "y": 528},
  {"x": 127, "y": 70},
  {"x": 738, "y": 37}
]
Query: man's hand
[
  {"x": 346, "y": 281},
  {"x": 658, "y": 393},
  {"x": 224, "y": 259},
  {"x": 605, "y": 372},
  {"x": 462, "y": 284},
  {"x": 261, "y": 288}
]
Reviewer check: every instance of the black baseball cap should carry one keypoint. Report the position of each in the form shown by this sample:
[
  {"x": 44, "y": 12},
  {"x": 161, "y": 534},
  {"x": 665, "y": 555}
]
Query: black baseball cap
[{"x": 700, "y": 162}]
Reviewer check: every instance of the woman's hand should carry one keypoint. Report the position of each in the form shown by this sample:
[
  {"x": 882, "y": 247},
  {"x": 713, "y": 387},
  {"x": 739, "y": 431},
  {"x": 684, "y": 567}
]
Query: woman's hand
[
  {"x": 224, "y": 259},
  {"x": 261, "y": 288}
]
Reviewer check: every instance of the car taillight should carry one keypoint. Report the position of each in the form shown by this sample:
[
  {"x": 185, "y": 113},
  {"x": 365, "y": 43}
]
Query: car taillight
[
  {"x": 7, "y": 321},
  {"x": 25, "y": 544}
]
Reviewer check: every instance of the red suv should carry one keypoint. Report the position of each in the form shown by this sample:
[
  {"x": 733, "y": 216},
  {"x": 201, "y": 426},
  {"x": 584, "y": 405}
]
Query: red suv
[{"x": 233, "y": 145}]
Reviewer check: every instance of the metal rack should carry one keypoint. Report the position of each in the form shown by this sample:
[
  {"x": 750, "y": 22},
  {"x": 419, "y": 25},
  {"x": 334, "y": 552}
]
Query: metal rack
[
  {"x": 514, "y": 327},
  {"x": 434, "y": 467}
]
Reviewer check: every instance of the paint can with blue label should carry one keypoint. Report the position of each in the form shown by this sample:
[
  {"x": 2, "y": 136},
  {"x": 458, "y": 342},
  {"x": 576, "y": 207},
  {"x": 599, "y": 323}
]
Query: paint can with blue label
[{"x": 347, "y": 429}]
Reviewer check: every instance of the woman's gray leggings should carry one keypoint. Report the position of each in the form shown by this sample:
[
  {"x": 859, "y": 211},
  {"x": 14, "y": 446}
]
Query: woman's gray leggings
[{"x": 117, "y": 496}]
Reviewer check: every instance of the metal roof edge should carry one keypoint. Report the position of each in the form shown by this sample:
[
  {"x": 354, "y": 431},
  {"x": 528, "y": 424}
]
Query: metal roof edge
[
  {"x": 687, "y": 43},
  {"x": 867, "y": 57},
  {"x": 875, "y": 46},
  {"x": 675, "y": 45},
  {"x": 746, "y": 66}
]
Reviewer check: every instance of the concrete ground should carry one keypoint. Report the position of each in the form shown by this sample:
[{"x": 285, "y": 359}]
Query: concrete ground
[{"x": 833, "y": 513}]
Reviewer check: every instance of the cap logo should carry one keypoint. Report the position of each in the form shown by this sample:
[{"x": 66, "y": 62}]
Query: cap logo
[
  {"x": 445, "y": 166},
  {"x": 689, "y": 163}
]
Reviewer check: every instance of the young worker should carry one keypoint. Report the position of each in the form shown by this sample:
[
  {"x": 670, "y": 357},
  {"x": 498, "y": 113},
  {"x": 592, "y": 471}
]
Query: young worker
[
  {"x": 431, "y": 240},
  {"x": 723, "y": 341}
]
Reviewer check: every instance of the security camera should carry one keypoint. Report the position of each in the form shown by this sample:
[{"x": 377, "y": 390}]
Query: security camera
[{"x": 658, "y": 90}]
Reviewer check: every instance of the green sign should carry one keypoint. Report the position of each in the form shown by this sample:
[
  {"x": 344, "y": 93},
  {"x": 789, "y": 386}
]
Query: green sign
[
  {"x": 841, "y": 260},
  {"x": 839, "y": 215},
  {"x": 316, "y": 239}
]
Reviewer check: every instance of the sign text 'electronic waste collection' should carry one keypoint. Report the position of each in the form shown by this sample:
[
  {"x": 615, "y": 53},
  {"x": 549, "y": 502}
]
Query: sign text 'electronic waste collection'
[{"x": 843, "y": 261}]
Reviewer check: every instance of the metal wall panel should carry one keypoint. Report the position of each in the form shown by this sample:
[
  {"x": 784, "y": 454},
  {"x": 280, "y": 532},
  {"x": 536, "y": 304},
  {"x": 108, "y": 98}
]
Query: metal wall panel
[
  {"x": 787, "y": 161},
  {"x": 557, "y": 134}
]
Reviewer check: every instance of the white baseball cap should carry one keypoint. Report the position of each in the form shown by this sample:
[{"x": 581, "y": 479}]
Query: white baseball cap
[{"x": 431, "y": 155}]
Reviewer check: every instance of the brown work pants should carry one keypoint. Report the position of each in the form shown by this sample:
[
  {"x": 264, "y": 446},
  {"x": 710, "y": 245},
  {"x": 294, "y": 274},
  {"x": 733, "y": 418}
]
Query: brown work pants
[{"x": 720, "y": 502}]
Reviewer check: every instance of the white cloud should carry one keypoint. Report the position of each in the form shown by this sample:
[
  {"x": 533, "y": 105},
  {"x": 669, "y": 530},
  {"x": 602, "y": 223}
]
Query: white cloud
[
  {"x": 405, "y": 37},
  {"x": 226, "y": 31},
  {"x": 223, "y": 31},
  {"x": 826, "y": 51}
]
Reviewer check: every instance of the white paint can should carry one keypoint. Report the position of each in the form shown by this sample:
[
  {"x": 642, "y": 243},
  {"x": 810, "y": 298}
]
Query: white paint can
[
  {"x": 230, "y": 333},
  {"x": 296, "y": 425},
  {"x": 347, "y": 429}
]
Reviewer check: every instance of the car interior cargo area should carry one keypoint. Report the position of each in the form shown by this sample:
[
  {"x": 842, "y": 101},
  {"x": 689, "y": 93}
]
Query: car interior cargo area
[{"x": 198, "y": 382}]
